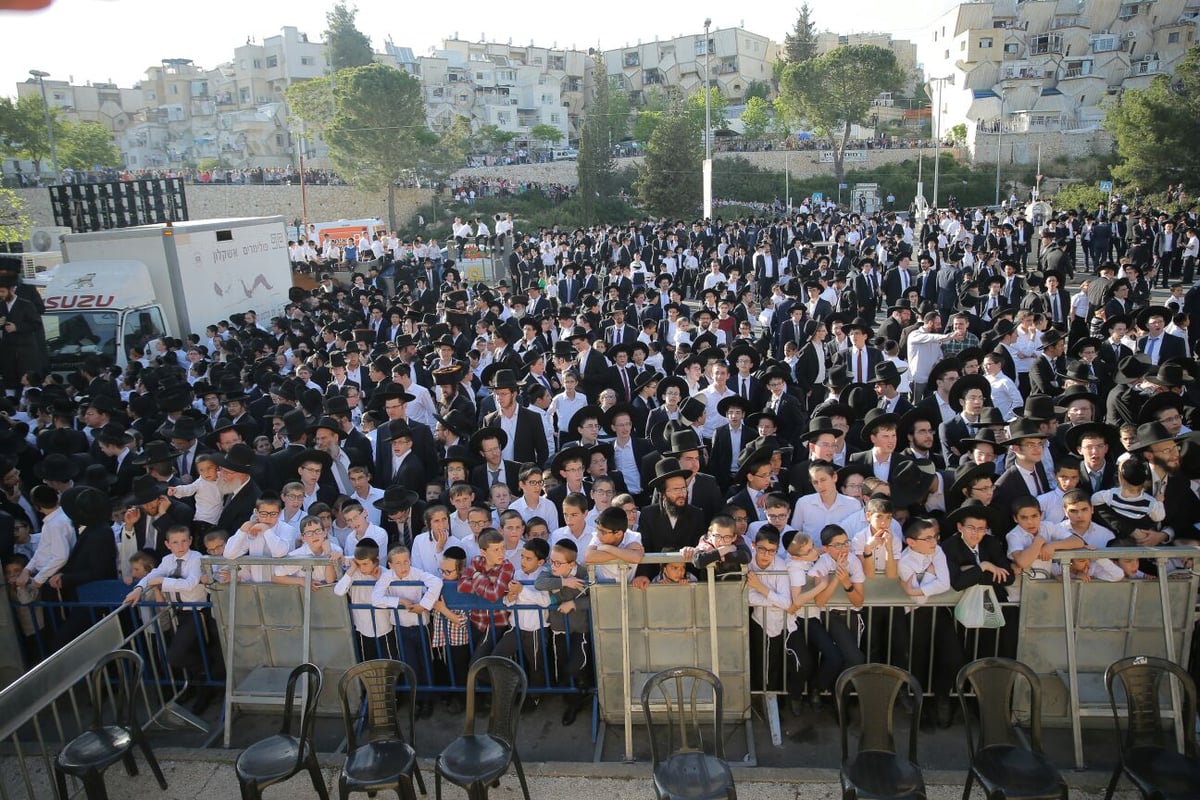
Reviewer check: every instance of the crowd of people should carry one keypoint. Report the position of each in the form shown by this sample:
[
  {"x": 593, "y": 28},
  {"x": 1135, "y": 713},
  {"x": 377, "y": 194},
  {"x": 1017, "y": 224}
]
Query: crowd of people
[{"x": 805, "y": 400}]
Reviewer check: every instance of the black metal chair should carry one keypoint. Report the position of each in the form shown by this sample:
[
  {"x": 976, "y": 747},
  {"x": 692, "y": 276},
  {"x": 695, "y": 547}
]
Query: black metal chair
[
  {"x": 379, "y": 757},
  {"x": 1148, "y": 755},
  {"x": 876, "y": 769},
  {"x": 476, "y": 761},
  {"x": 90, "y": 753},
  {"x": 277, "y": 758},
  {"x": 683, "y": 768},
  {"x": 1003, "y": 764}
]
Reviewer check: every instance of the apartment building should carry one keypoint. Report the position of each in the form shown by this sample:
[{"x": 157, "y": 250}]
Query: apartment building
[{"x": 1041, "y": 73}]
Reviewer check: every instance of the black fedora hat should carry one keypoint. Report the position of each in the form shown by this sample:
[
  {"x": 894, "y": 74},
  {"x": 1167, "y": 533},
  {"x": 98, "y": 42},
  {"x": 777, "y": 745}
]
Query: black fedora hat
[
  {"x": 488, "y": 432},
  {"x": 666, "y": 383},
  {"x": 503, "y": 379},
  {"x": 965, "y": 475},
  {"x": 1024, "y": 428},
  {"x": 1170, "y": 375},
  {"x": 997, "y": 522},
  {"x": 240, "y": 458},
  {"x": 244, "y": 429},
  {"x": 732, "y": 400},
  {"x": 1040, "y": 408},
  {"x": 185, "y": 429},
  {"x": 57, "y": 467},
  {"x": 329, "y": 424},
  {"x": 1051, "y": 337},
  {"x": 645, "y": 378},
  {"x": 886, "y": 372},
  {"x": 875, "y": 419},
  {"x": 683, "y": 441},
  {"x": 396, "y": 498},
  {"x": 113, "y": 433},
  {"x": 99, "y": 476},
  {"x": 1144, "y": 315},
  {"x": 86, "y": 506},
  {"x": 457, "y": 423},
  {"x": 568, "y": 454},
  {"x": 1163, "y": 401},
  {"x": 312, "y": 454},
  {"x": 589, "y": 411},
  {"x": 145, "y": 490},
  {"x": 914, "y": 415},
  {"x": 964, "y": 384},
  {"x": 155, "y": 452},
  {"x": 1149, "y": 434},
  {"x": 1076, "y": 433},
  {"x": 982, "y": 436},
  {"x": 752, "y": 460},
  {"x": 664, "y": 470},
  {"x": 911, "y": 480},
  {"x": 1133, "y": 369},
  {"x": 459, "y": 453},
  {"x": 819, "y": 426}
]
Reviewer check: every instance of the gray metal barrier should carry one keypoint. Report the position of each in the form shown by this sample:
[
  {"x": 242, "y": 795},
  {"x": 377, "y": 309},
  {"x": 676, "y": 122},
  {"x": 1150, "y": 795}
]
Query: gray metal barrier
[
  {"x": 1070, "y": 631},
  {"x": 263, "y": 638},
  {"x": 11, "y": 665}
]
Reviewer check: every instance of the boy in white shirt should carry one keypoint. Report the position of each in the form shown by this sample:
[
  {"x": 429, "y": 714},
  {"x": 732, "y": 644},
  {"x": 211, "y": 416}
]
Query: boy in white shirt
[
  {"x": 207, "y": 492},
  {"x": 838, "y": 637},
  {"x": 611, "y": 543},
  {"x": 315, "y": 543},
  {"x": 924, "y": 573},
  {"x": 528, "y": 634},
  {"x": 260, "y": 538},
  {"x": 532, "y": 503},
  {"x": 373, "y": 629},
  {"x": 411, "y": 602},
  {"x": 776, "y": 643}
]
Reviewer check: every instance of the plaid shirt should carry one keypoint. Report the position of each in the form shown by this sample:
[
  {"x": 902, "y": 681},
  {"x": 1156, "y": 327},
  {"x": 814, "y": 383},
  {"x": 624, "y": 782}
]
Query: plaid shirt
[
  {"x": 952, "y": 347},
  {"x": 447, "y": 632},
  {"x": 491, "y": 585}
]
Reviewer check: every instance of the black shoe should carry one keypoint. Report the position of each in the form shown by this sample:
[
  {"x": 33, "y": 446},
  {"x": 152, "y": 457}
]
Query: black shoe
[
  {"x": 570, "y": 713},
  {"x": 944, "y": 712}
]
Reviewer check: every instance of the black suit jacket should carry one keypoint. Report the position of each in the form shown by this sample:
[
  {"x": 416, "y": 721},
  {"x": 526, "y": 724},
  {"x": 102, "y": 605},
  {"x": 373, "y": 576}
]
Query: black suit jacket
[
  {"x": 1011, "y": 485},
  {"x": 594, "y": 378},
  {"x": 950, "y": 434},
  {"x": 529, "y": 444},
  {"x": 966, "y": 572},
  {"x": 93, "y": 558},
  {"x": 179, "y": 513},
  {"x": 873, "y": 357},
  {"x": 239, "y": 507},
  {"x": 482, "y": 481},
  {"x": 722, "y": 459},
  {"x": 1171, "y": 346},
  {"x": 659, "y": 535},
  {"x": 1043, "y": 376}
]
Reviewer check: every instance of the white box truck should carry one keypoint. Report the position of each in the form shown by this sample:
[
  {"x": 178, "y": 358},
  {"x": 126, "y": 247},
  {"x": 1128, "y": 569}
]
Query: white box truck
[{"x": 125, "y": 287}]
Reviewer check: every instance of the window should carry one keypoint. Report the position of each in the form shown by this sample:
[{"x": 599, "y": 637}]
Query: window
[
  {"x": 985, "y": 43},
  {"x": 1173, "y": 37},
  {"x": 632, "y": 59},
  {"x": 1012, "y": 48},
  {"x": 258, "y": 63},
  {"x": 1105, "y": 44},
  {"x": 244, "y": 94},
  {"x": 279, "y": 140},
  {"x": 557, "y": 62},
  {"x": 307, "y": 61},
  {"x": 700, "y": 46},
  {"x": 173, "y": 89},
  {"x": 272, "y": 62},
  {"x": 1128, "y": 11},
  {"x": 143, "y": 326},
  {"x": 502, "y": 118},
  {"x": 547, "y": 99},
  {"x": 962, "y": 46},
  {"x": 555, "y": 119}
]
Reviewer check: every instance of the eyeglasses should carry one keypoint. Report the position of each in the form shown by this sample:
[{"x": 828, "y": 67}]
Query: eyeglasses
[
  {"x": 602, "y": 491},
  {"x": 926, "y": 539},
  {"x": 267, "y": 514},
  {"x": 975, "y": 528},
  {"x": 317, "y": 470},
  {"x": 450, "y": 571},
  {"x": 293, "y": 496},
  {"x": 533, "y": 482},
  {"x": 555, "y": 563},
  {"x": 766, "y": 550},
  {"x": 837, "y": 545}
]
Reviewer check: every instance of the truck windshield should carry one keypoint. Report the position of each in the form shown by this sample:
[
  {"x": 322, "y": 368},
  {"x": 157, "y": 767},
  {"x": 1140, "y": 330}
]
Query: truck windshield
[{"x": 71, "y": 335}]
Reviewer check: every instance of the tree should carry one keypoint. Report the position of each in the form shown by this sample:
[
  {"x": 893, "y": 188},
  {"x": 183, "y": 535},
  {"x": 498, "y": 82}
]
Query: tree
[
  {"x": 311, "y": 102},
  {"x": 547, "y": 134},
  {"x": 378, "y": 128},
  {"x": 756, "y": 119},
  {"x": 801, "y": 43},
  {"x": 644, "y": 125},
  {"x": 758, "y": 89},
  {"x": 15, "y": 224},
  {"x": 1155, "y": 129},
  {"x": 595, "y": 165},
  {"x": 494, "y": 135},
  {"x": 694, "y": 109},
  {"x": 23, "y": 128},
  {"x": 346, "y": 45},
  {"x": 834, "y": 91},
  {"x": 669, "y": 180},
  {"x": 958, "y": 133},
  {"x": 86, "y": 145}
]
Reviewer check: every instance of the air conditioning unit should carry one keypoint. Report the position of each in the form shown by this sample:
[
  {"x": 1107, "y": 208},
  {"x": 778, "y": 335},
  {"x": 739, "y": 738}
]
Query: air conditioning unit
[
  {"x": 46, "y": 239},
  {"x": 32, "y": 264}
]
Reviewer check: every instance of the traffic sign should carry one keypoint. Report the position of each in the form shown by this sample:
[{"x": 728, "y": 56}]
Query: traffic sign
[
  {"x": 843, "y": 186},
  {"x": 1106, "y": 186},
  {"x": 818, "y": 196}
]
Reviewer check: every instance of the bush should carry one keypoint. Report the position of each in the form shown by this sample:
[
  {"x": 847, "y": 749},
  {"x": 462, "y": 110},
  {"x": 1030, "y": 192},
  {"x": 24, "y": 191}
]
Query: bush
[{"x": 1075, "y": 195}]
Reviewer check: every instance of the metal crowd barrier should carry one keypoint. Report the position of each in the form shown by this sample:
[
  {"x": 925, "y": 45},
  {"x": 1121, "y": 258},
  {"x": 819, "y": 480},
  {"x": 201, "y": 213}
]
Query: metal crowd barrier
[{"x": 48, "y": 705}]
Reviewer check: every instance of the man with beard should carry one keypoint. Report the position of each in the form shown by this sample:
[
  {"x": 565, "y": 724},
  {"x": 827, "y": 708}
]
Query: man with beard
[
  {"x": 1168, "y": 483},
  {"x": 236, "y": 484},
  {"x": 671, "y": 523}
]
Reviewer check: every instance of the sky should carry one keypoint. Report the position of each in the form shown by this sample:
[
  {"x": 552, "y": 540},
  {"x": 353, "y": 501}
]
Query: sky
[{"x": 116, "y": 40}]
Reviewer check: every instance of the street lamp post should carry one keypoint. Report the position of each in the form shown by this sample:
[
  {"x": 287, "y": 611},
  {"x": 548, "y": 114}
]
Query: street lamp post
[
  {"x": 937, "y": 139},
  {"x": 707, "y": 127},
  {"x": 41, "y": 78}
]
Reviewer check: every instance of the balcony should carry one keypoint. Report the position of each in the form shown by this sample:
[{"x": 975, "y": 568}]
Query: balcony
[{"x": 1045, "y": 44}]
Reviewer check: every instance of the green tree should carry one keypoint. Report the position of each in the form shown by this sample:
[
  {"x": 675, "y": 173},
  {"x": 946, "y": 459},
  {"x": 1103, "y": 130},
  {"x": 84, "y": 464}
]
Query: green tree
[
  {"x": 834, "y": 91},
  {"x": 86, "y": 145},
  {"x": 801, "y": 43},
  {"x": 669, "y": 179},
  {"x": 958, "y": 134},
  {"x": 311, "y": 103},
  {"x": 644, "y": 125},
  {"x": 494, "y": 135},
  {"x": 378, "y": 128},
  {"x": 608, "y": 115},
  {"x": 546, "y": 134},
  {"x": 756, "y": 119},
  {"x": 694, "y": 109},
  {"x": 758, "y": 89},
  {"x": 23, "y": 128},
  {"x": 1155, "y": 129},
  {"x": 14, "y": 222},
  {"x": 345, "y": 44}
]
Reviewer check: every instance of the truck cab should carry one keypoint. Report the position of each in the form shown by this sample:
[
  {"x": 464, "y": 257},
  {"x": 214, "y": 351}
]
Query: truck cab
[{"x": 101, "y": 308}]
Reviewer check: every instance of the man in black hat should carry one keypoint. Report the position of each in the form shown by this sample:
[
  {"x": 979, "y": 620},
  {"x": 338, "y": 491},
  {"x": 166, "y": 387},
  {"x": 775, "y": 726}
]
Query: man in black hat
[
  {"x": 149, "y": 515},
  {"x": 114, "y": 442},
  {"x": 1027, "y": 477},
  {"x": 1159, "y": 345},
  {"x": 886, "y": 382},
  {"x": 670, "y": 523},
  {"x": 526, "y": 436},
  {"x": 1046, "y": 368},
  {"x": 234, "y": 478}
]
